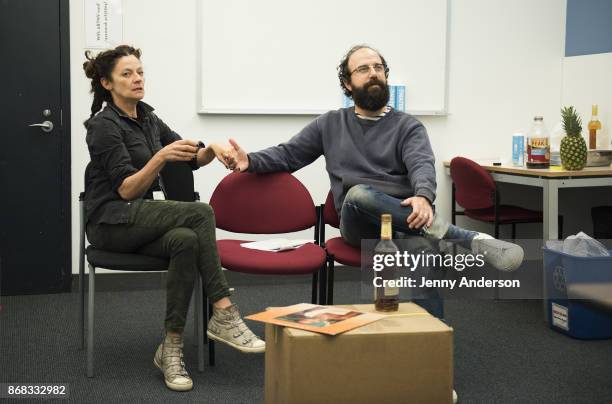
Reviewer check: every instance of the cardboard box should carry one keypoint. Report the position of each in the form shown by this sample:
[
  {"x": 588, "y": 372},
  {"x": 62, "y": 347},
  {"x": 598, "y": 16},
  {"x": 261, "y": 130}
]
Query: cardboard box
[{"x": 406, "y": 357}]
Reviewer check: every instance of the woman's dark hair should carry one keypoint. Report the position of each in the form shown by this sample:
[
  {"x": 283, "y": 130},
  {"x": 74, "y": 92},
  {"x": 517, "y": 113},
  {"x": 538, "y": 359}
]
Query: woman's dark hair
[
  {"x": 343, "y": 71},
  {"x": 101, "y": 66}
]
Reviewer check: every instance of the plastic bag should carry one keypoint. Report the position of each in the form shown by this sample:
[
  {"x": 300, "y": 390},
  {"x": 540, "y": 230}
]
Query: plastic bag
[
  {"x": 555, "y": 245},
  {"x": 582, "y": 245}
]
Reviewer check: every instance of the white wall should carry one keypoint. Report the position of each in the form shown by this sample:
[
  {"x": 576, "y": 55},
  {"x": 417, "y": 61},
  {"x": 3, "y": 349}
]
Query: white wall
[
  {"x": 587, "y": 81},
  {"x": 505, "y": 67}
]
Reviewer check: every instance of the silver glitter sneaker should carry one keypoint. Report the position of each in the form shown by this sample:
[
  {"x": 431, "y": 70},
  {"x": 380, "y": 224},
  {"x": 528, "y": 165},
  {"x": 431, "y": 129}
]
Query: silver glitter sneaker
[
  {"x": 227, "y": 326},
  {"x": 169, "y": 359}
]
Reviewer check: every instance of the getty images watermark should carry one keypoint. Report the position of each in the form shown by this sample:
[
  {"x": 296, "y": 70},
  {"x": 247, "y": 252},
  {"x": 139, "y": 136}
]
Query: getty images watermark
[
  {"x": 412, "y": 262},
  {"x": 420, "y": 267}
]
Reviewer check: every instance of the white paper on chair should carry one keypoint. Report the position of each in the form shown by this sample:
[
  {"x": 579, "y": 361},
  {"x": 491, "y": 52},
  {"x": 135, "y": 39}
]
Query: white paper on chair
[{"x": 276, "y": 244}]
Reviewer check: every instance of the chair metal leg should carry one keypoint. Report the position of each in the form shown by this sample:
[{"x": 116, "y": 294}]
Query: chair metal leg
[
  {"x": 453, "y": 205},
  {"x": 198, "y": 323},
  {"x": 330, "y": 281},
  {"x": 211, "y": 342},
  {"x": 323, "y": 285},
  {"x": 315, "y": 281},
  {"x": 205, "y": 317},
  {"x": 82, "y": 269},
  {"x": 82, "y": 303},
  {"x": 196, "y": 312},
  {"x": 90, "y": 321}
]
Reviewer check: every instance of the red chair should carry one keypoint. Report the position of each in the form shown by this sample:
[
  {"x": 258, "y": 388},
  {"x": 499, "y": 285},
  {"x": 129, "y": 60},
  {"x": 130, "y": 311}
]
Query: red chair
[
  {"x": 476, "y": 192},
  {"x": 267, "y": 204},
  {"x": 337, "y": 249}
]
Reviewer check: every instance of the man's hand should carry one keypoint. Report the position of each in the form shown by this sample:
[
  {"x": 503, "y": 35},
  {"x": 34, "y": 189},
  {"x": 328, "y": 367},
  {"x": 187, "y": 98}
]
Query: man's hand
[
  {"x": 236, "y": 158},
  {"x": 422, "y": 213}
]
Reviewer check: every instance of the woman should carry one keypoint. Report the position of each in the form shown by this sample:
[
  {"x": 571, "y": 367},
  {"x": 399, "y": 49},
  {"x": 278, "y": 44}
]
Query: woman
[{"x": 129, "y": 145}]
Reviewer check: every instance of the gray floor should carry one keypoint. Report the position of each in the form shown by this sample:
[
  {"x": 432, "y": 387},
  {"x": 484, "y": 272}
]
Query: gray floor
[{"x": 503, "y": 350}]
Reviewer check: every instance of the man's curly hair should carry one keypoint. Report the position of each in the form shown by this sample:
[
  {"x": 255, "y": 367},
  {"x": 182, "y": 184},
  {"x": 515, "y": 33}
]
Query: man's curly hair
[{"x": 343, "y": 71}]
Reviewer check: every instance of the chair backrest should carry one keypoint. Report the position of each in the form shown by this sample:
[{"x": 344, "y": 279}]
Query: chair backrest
[
  {"x": 262, "y": 204},
  {"x": 330, "y": 215},
  {"x": 474, "y": 187},
  {"x": 177, "y": 179},
  {"x": 82, "y": 219}
]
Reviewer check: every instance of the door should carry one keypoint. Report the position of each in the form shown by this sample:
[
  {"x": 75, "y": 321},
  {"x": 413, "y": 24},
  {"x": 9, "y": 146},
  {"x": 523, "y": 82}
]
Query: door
[{"x": 35, "y": 237}]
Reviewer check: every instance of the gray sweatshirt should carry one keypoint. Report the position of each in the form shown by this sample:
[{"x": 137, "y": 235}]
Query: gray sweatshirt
[{"x": 393, "y": 154}]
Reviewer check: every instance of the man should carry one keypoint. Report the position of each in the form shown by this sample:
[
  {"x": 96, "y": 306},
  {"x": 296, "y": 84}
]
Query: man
[{"x": 379, "y": 160}]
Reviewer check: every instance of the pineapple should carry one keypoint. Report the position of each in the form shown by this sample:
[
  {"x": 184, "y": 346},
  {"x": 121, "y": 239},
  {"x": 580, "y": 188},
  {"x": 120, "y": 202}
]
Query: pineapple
[{"x": 573, "y": 147}]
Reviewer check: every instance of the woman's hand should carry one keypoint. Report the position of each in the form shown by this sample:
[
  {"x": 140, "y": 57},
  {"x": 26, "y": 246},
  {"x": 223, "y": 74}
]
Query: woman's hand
[
  {"x": 222, "y": 153},
  {"x": 212, "y": 151},
  {"x": 180, "y": 150},
  {"x": 138, "y": 183}
]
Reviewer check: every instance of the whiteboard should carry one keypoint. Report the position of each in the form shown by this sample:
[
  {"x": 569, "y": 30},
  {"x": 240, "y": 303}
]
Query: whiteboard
[{"x": 280, "y": 56}]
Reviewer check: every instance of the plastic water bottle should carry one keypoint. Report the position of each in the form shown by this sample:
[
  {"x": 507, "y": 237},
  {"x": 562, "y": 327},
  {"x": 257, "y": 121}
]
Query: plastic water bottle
[{"x": 518, "y": 149}]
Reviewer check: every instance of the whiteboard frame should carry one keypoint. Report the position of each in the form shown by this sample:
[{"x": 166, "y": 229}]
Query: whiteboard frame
[{"x": 202, "y": 110}]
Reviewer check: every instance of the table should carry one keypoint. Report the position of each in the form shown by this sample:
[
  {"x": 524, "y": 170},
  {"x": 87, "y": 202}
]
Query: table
[{"x": 550, "y": 180}]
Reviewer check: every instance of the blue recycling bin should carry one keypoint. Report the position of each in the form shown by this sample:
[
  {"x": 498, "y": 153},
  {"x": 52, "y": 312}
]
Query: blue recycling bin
[{"x": 576, "y": 318}]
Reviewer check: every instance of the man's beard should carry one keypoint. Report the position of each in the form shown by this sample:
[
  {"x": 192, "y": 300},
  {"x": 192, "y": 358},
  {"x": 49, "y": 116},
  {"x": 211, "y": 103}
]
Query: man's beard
[{"x": 372, "y": 96}]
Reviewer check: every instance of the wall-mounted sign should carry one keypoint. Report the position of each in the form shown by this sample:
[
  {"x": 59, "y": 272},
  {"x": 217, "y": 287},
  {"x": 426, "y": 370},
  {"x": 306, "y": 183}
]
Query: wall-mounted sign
[{"x": 103, "y": 23}]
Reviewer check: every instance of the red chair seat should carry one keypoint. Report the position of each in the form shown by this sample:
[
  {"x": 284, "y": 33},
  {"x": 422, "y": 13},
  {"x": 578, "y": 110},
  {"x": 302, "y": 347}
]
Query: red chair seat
[
  {"x": 507, "y": 214},
  {"x": 343, "y": 253},
  {"x": 307, "y": 259}
]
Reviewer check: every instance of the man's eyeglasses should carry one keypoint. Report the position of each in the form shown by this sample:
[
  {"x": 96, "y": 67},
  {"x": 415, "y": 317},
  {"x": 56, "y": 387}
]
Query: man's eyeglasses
[{"x": 365, "y": 69}]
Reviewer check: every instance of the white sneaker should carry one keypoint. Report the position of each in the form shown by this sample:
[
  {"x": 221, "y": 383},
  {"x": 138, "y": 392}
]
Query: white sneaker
[
  {"x": 501, "y": 254},
  {"x": 455, "y": 398},
  {"x": 169, "y": 359},
  {"x": 227, "y": 326}
]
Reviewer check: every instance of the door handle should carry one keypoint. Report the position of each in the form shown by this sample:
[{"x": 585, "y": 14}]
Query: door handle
[{"x": 46, "y": 126}]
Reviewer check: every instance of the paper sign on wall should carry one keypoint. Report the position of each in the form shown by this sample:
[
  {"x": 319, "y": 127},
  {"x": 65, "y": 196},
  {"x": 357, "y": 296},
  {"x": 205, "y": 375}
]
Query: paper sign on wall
[{"x": 103, "y": 23}]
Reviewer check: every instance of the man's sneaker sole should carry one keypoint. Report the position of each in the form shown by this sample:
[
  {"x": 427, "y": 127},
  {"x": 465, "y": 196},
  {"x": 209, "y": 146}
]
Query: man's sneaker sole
[
  {"x": 172, "y": 386},
  {"x": 235, "y": 346}
]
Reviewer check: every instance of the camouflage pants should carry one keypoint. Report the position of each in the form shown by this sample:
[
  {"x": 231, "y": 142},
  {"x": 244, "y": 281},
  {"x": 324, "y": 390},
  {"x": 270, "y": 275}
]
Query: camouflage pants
[{"x": 183, "y": 232}]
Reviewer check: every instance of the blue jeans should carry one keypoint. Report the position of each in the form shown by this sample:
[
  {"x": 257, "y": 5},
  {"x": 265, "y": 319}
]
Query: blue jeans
[{"x": 360, "y": 219}]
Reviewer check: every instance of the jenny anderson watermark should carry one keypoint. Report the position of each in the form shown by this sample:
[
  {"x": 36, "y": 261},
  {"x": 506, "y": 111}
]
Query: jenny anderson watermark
[{"x": 423, "y": 282}]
